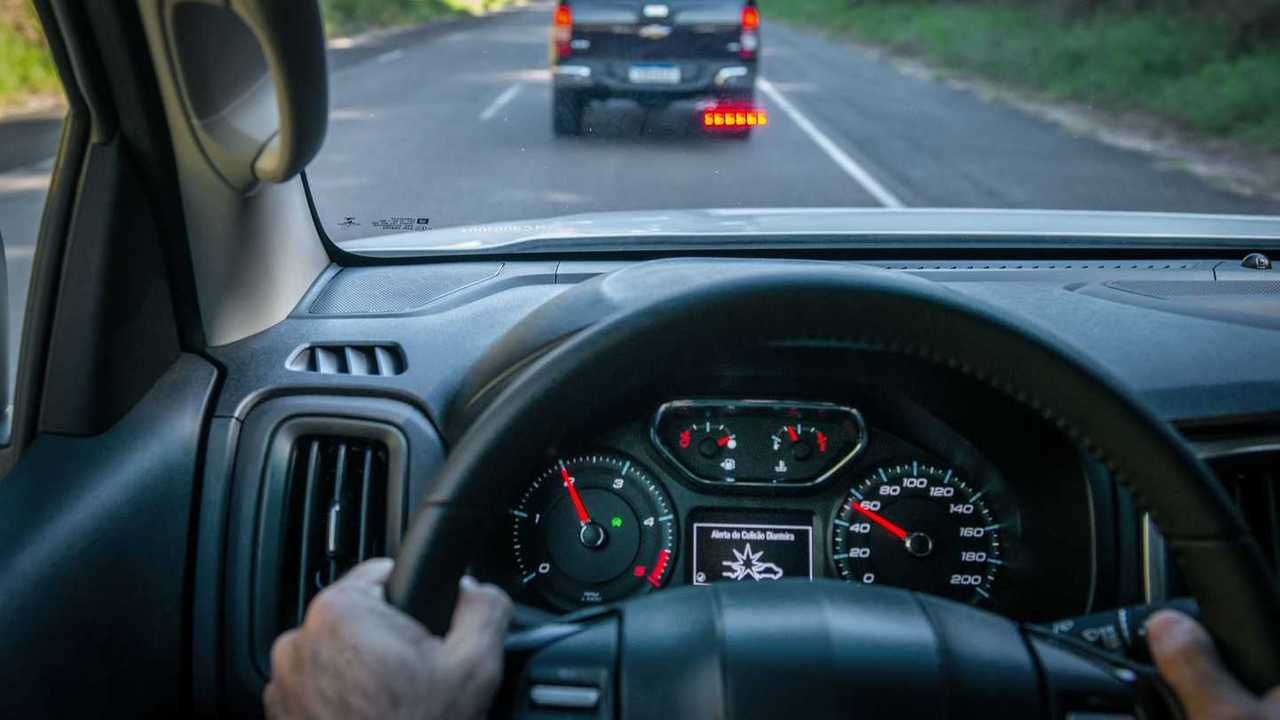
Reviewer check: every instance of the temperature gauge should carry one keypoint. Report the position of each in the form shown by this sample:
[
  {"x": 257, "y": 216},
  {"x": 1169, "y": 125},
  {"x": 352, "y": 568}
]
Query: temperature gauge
[{"x": 796, "y": 446}]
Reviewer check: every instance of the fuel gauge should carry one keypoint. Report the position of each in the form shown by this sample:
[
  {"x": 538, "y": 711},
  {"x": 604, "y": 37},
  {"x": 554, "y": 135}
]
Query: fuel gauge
[{"x": 709, "y": 446}]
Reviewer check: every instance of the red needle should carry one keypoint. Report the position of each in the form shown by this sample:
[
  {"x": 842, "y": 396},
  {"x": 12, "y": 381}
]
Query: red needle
[
  {"x": 880, "y": 520},
  {"x": 724, "y": 441},
  {"x": 581, "y": 509},
  {"x": 792, "y": 433}
]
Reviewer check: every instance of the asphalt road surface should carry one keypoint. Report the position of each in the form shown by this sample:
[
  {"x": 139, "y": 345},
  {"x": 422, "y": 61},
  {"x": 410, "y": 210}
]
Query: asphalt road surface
[
  {"x": 457, "y": 128},
  {"x": 452, "y": 122}
]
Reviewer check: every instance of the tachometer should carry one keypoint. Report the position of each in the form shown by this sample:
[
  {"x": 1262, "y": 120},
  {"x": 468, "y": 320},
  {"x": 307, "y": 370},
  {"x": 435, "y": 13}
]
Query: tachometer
[
  {"x": 918, "y": 526},
  {"x": 593, "y": 529}
]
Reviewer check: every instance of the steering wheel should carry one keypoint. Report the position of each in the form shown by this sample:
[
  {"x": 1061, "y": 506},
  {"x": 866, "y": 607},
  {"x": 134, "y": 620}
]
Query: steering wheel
[{"x": 827, "y": 647}]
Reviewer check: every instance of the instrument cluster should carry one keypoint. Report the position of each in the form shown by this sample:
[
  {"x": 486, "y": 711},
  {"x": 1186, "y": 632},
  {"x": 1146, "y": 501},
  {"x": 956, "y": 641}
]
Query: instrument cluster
[{"x": 722, "y": 491}]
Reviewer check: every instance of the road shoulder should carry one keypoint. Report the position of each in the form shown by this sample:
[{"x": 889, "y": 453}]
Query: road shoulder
[{"x": 1228, "y": 165}]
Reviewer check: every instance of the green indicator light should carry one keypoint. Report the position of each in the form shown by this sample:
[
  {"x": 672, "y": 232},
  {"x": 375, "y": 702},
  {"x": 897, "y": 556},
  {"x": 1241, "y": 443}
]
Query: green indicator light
[{"x": 616, "y": 522}]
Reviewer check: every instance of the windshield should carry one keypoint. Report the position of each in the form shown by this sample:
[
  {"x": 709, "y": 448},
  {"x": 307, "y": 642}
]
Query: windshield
[{"x": 448, "y": 114}]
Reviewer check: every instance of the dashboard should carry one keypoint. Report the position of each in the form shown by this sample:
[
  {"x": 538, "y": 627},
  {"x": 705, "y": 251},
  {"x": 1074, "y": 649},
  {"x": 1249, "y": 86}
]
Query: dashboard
[
  {"x": 1064, "y": 537},
  {"x": 868, "y": 487}
]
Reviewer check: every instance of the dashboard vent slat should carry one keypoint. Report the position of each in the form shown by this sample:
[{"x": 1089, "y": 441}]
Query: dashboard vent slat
[
  {"x": 362, "y": 360},
  {"x": 1253, "y": 481},
  {"x": 338, "y": 508}
]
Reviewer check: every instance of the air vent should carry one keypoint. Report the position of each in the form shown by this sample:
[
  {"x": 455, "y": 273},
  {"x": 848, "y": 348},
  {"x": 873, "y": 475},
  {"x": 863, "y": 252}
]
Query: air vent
[
  {"x": 1253, "y": 480},
  {"x": 335, "y": 515},
  {"x": 349, "y": 359}
]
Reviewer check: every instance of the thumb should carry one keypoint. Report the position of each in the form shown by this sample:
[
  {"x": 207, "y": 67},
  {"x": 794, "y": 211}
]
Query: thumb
[
  {"x": 371, "y": 573},
  {"x": 1188, "y": 661},
  {"x": 481, "y": 616}
]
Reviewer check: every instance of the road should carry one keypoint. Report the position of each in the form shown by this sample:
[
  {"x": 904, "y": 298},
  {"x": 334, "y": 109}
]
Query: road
[
  {"x": 452, "y": 123},
  {"x": 27, "y": 146},
  {"x": 456, "y": 128}
]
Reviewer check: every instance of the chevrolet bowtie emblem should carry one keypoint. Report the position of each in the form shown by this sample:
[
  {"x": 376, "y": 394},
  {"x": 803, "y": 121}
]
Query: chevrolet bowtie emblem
[{"x": 654, "y": 32}]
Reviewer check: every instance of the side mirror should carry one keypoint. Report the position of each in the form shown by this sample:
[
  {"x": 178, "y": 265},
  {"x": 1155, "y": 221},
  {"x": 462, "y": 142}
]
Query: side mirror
[{"x": 254, "y": 83}]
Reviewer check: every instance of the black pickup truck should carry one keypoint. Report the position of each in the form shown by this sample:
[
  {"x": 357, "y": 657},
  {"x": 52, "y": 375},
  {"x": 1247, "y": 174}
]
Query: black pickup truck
[{"x": 656, "y": 53}]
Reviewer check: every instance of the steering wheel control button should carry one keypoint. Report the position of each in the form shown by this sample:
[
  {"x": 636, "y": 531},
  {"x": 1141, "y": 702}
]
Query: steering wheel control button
[
  {"x": 758, "y": 442},
  {"x": 1121, "y": 631},
  {"x": 564, "y": 697},
  {"x": 1256, "y": 261}
]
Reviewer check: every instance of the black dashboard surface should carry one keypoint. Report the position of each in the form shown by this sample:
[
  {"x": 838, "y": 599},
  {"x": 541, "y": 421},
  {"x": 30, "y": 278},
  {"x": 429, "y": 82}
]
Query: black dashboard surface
[{"x": 1188, "y": 362}]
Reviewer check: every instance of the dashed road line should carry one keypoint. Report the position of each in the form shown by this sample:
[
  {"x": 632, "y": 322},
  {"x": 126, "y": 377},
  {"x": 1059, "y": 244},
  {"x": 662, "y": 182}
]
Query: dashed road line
[{"x": 499, "y": 102}]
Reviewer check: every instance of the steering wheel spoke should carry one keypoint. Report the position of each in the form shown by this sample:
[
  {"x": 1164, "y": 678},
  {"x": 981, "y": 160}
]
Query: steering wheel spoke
[{"x": 562, "y": 669}]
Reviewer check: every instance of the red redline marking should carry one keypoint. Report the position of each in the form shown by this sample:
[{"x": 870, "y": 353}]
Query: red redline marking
[
  {"x": 791, "y": 432},
  {"x": 724, "y": 440},
  {"x": 880, "y": 520},
  {"x": 578, "y": 507},
  {"x": 822, "y": 441},
  {"x": 655, "y": 577}
]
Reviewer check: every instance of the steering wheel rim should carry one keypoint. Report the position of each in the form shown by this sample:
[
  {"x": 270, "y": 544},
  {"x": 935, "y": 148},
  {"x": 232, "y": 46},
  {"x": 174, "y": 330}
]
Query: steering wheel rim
[{"x": 752, "y": 304}]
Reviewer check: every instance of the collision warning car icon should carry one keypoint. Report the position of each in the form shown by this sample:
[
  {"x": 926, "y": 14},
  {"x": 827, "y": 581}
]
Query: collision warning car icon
[{"x": 747, "y": 564}]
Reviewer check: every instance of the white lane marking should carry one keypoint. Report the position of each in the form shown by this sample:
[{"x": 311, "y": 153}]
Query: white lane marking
[
  {"x": 390, "y": 56},
  {"x": 20, "y": 251},
  {"x": 499, "y": 102},
  {"x": 850, "y": 166}
]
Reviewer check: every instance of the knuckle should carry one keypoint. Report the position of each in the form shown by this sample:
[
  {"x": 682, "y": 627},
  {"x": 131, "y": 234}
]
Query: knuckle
[
  {"x": 327, "y": 611},
  {"x": 282, "y": 653},
  {"x": 479, "y": 657},
  {"x": 493, "y": 600},
  {"x": 1184, "y": 645}
]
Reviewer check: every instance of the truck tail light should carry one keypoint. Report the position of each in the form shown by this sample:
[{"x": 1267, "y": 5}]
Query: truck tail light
[
  {"x": 749, "y": 42},
  {"x": 562, "y": 30},
  {"x": 733, "y": 117}
]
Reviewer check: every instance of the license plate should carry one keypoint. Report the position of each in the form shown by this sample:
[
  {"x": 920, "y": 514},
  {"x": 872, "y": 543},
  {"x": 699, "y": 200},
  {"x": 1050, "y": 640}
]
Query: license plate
[{"x": 654, "y": 75}]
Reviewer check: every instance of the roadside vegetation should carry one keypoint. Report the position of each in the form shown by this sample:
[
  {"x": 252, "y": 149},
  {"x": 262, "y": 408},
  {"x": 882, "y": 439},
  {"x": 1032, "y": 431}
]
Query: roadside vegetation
[
  {"x": 343, "y": 17},
  {"x": 27, "y": 77},
  {"x": 1209, "y": 66}
]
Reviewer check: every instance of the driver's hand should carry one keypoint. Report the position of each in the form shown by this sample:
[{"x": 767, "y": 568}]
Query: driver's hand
[
  {"x": 356, "y": 656},
  {"x": 1187, "y": 660}
]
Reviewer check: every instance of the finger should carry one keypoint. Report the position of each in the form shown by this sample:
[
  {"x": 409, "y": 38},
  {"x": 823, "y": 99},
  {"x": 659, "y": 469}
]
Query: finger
[
  {"x": 1271, "y": 702},
  {"x": 475, "y": 646},
  {"x": 481, "y": 616},
  {"x": 271, "y": 703},
  {"x": 1188, "y": 661},
  {"x": 285, "y": 658},
  {"x": 370, "y": 573}
]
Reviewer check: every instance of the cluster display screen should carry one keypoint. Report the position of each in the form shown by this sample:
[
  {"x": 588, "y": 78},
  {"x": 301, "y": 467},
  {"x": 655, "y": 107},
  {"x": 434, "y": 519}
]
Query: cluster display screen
[{"x": 747, "y": 549}]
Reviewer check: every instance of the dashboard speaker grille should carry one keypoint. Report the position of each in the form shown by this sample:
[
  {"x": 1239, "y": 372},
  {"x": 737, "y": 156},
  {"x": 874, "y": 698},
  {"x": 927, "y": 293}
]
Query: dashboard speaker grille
[
  {"x": 336, "y": 515},
  {"x": 372, "y": 291}
]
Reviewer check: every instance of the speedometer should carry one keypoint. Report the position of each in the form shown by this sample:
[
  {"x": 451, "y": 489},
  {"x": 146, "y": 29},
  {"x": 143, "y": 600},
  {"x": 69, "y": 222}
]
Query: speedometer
[
  {"x": 921, "y": 527},
  {"x": 593, "y": 529}
]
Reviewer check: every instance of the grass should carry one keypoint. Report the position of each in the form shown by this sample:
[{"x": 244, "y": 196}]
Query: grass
[
  {"x": 343, "y": 17},
  {"x": 1177, "y": 67},
  {"x": 26, "y": 69}
]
